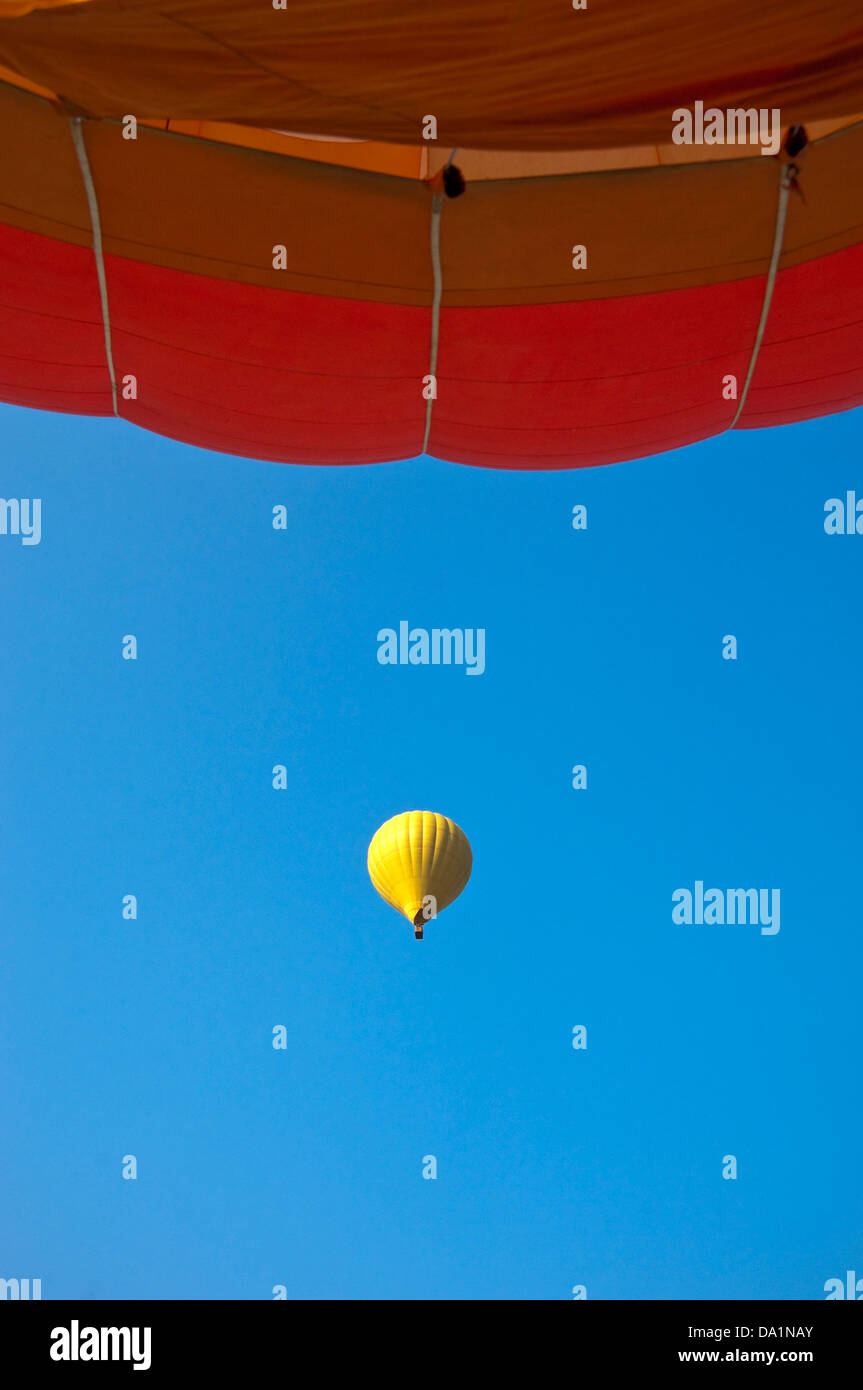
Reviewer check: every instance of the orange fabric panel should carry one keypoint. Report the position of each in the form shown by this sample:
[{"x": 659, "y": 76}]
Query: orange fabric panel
[
  {"x": 646, "y": 231},
  {"x": 220, "y": 210},
  {"x": 216, "y": 210},
  {"x": 481, "y": 165},
  {"x": 41, "y": 188},
  {"x": 401, "y": 161},
  {"x": 169, "y": 200},
  {"x": 497, "y": 74},
  {"x": 421, "y": 161},
  {"x": 13, "y": 8}
]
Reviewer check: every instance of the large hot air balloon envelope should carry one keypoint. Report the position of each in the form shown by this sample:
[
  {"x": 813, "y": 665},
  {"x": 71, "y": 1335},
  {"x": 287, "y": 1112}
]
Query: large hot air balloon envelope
[
  {"x": 419, "y": 862},
  {"x": 599, "y": 292}
]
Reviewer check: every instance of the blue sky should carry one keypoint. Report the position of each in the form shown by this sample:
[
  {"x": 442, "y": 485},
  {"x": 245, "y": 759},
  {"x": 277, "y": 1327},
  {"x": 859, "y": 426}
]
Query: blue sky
[{"x": 303, "y": 1167}]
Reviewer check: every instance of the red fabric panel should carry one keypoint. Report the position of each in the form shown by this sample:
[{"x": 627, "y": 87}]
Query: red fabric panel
[
  {"x": 270, "y": 374},
  {"x": 311, "y": 379},
  {"x": 567, "y": 385},
  {"x": 811, "y": 359},
  {"x": 52, "y": 344}
]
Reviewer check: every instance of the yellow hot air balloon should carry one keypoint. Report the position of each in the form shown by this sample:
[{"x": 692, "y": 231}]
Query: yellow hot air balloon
[{"x": 419, "y": 862}]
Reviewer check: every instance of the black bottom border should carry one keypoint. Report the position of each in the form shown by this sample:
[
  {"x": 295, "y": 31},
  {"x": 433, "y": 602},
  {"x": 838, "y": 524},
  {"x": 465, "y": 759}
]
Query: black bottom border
[{"x": 214, "y": 1339}]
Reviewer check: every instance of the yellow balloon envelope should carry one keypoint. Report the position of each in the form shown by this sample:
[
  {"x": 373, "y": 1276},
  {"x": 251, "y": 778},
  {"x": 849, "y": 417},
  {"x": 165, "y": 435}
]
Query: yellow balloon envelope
[{"x": 419, "y": 862}]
